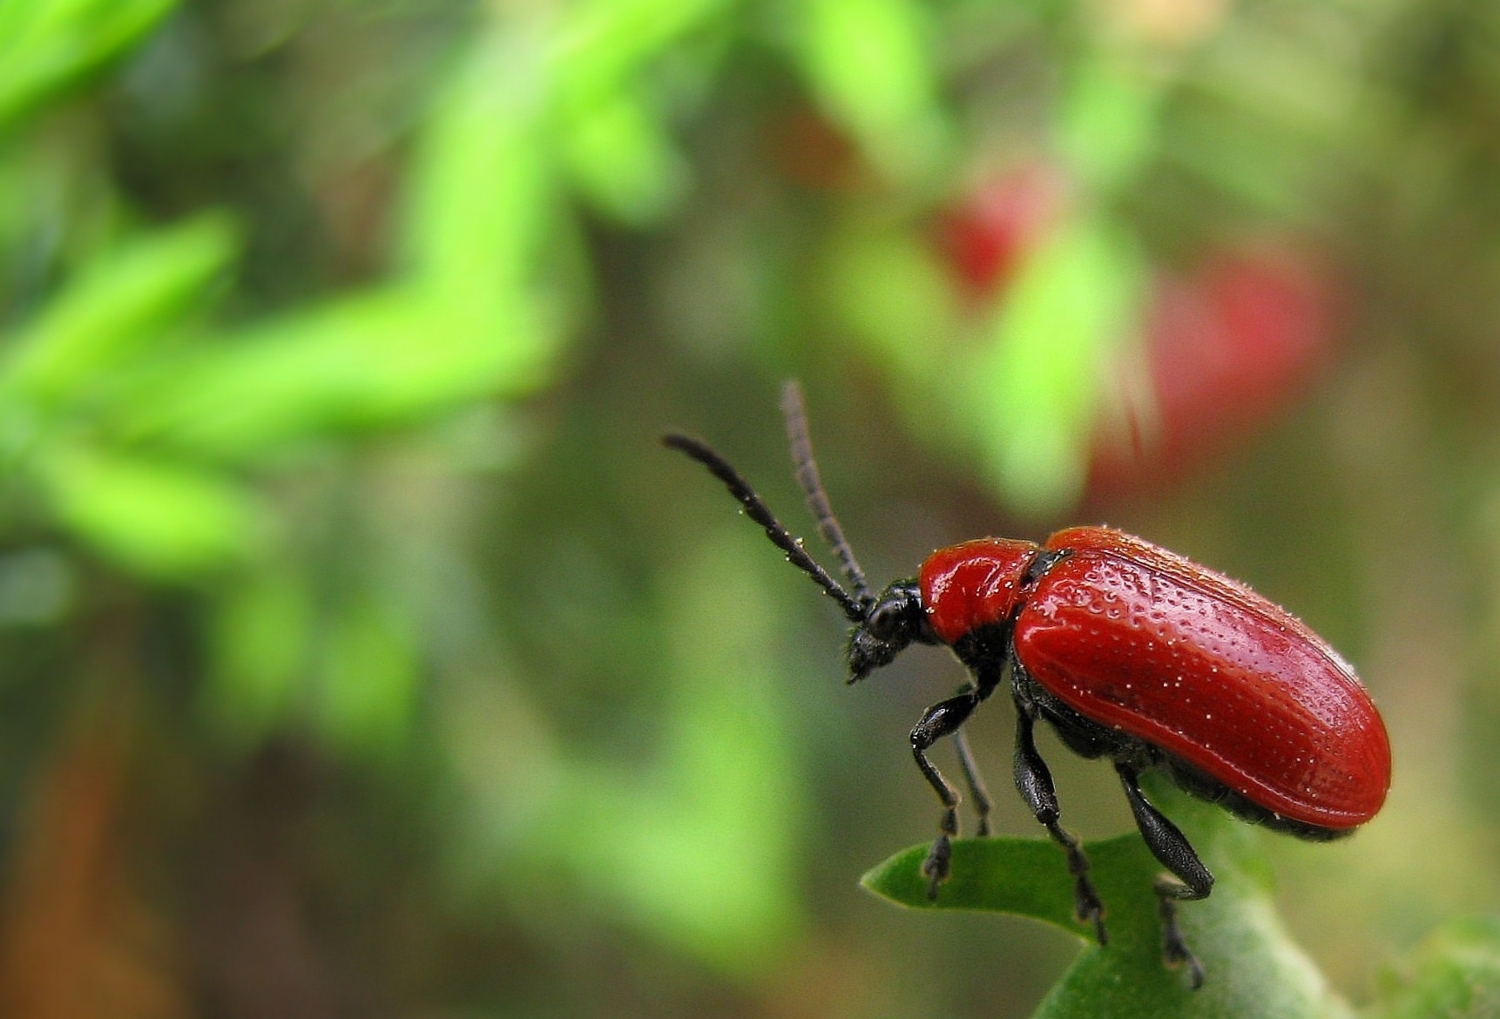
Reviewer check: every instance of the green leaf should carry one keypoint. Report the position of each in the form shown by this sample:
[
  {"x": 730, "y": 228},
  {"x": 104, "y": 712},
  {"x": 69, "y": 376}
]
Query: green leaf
[
  {"x": 1455, "y": 974},
  {"x": 122, "y": 304},
  {"x": 624, "y": 160},
  {"x": 871, "y": 63},
  {"x": 260, "y": 637},
  {"x": 479, "y": 204},
  {"x": 373, "y": 361},
  {"x": 601, "y": 44},
  {"x": 367, "y": 688},
  {"x": 1030, "y": 396},
  {"x": 613, "y": 136},
  {"x": 47, "y": 44},
  {"x": 702, "y": 846},
  {"x": 899, "y": 302},
  {"x": 161, "y": 520},
  {"x": 1253, "y": 968},
  {"x": 1005, "y": 875},
  {"x": 1110, "y": 124}
]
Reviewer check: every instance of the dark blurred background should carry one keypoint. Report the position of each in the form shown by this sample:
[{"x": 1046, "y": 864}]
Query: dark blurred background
[{"x": 362, "y": 653}]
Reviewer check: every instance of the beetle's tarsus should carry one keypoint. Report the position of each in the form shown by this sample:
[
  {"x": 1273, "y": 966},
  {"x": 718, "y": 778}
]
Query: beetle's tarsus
[
  {"x": 1090, "y": 909},
  {"x": 1174, "y": 949},
  {"x": 937, "y": 866},
  {"x": 1087, "y": 905}
]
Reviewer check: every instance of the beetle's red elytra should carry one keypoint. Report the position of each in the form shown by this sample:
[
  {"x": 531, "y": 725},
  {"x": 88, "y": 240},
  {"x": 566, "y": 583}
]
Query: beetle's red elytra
[
  {"x": 1142, "y": 640},
  {"x": 1130, "y": 652}
]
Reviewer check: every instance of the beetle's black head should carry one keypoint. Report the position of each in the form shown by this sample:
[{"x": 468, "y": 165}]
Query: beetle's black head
[{"x": 895, "y": 620}]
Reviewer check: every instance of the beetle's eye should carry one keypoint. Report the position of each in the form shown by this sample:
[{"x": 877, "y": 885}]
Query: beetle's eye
[
  {"x": 885, "y": 620},
  {"x": 895, "y": 615}
]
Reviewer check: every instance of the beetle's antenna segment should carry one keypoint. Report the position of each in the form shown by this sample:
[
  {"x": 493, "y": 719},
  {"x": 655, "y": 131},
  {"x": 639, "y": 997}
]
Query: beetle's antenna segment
[
  {"x": 806, "y": 468},
  {"x": 757, "y": 510}
]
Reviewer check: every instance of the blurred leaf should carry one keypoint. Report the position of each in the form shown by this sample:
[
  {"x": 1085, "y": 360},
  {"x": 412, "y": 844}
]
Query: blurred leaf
[
  {"x": 901, "y": 304},
  {"x": 1030, "y": 396},
  {"x": 1455, "y": 974},
  {"x": 602, "y": 43},
  {"x": 373, "y": 361},
  {"x": 368, "y": 682},
  {"x": 261, "y": 633},
  {"x": 624, "y": 160},
  {"x": 870, "y": 61},
  {"x": 1252, "y": 163},
  {"x": 700, "y": 844},
  {"x": 125, "y": 302},
  {"x": 1024, "y": 398},
  {"x": 1273, "y": 127},
  {"x": 480, "y": 201},
  {"x": 1109, "y": 123},
  {"x": 163, "y": 520},
  {"x": 1253, "y": 968},
  {"x": 613, "y": 136},
  {"x": 46, "y": 44},
  {"x": 897, "y": 297}
]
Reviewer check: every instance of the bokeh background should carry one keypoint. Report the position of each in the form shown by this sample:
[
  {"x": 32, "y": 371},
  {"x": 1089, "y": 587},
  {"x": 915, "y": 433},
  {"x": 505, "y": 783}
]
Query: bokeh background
[{"x": 362, "y": 653}]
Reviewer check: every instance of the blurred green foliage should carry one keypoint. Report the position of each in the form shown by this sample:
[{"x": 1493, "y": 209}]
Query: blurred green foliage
[
  {"x": 364, "y": 654},
  {"x": 1453, "y": 973}
]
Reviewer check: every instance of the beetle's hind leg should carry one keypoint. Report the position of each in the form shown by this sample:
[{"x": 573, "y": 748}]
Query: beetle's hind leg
[{"x": 1172, "y": 849}]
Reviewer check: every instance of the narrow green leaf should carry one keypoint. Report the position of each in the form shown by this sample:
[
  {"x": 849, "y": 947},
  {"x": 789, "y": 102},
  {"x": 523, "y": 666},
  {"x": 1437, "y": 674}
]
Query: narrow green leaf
[
  {"x": 260, "y": 637},
  {"x": 1253, "y": 967},
  {"x": 613, "y": 137},
  {"x": 624, "y": 160},
  {"x": 47, "y": 44},
  {"x": 1024, "y": 876},
  {"x": 1030, "y": 396},
  {"x": 601, "y": 44},
  {"x": 161, "y": 520},
  {"x": 703, "y": 845},
  {"x": 871, "y": 63},
  {"x": 900, "y": 303},
  {"x": 367, "y": 687},
  {"x": 124, "y": 303},
  {"x": 1110, "y": 124},
  {"x": 480, "y": 198},
  {"x": 372, "y": 361}
]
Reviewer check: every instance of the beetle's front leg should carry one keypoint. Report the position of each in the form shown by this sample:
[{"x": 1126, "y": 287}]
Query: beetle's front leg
[{"x": 942, "y": 719}]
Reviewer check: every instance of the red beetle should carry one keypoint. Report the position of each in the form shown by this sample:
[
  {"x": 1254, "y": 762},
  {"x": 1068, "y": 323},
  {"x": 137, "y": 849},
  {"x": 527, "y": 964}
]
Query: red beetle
[{"x": 1131, "y": 652}]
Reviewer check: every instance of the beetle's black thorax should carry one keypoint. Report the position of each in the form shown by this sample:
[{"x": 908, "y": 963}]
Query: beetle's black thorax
[{"x": 985, "y": 648}]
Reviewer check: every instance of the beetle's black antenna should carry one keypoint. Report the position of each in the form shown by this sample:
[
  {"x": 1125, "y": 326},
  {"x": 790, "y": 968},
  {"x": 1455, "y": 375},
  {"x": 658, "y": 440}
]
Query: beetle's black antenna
[
  {"x": 757, "y": 510},
  {"x": 817, "y": 498}
]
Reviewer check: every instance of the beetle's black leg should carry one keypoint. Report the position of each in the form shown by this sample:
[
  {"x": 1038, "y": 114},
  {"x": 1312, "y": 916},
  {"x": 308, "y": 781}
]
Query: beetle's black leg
[
  {"x": 1173, "y": 851},
  {"x": 975, "y": 781},
  {"x": 942, "y": 719},
  {"x": 945, "y": 718},
  {"x": 1034, "y": 780}
]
